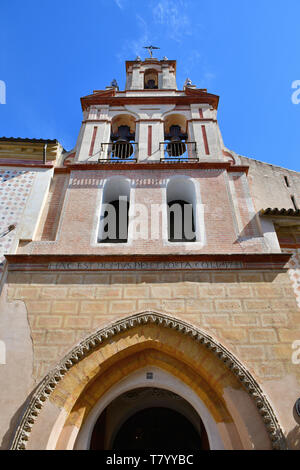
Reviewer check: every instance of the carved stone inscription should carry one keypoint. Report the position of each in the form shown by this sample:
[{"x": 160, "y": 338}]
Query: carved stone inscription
[{"x": 144, "y": 265}]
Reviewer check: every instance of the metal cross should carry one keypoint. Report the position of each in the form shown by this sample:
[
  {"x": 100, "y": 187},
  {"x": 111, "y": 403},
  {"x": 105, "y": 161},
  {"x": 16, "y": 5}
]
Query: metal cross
[{"x": 150, "y": 49}]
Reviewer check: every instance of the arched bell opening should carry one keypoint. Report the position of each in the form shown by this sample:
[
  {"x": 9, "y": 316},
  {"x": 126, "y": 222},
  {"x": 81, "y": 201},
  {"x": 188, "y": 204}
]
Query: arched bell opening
[
  {"x": 176, "y": 136},
  {"x": 181, "y": 206},
  {"x": 149, "y": 418},
  {"x": 114, "y": 213},
  {"x": 151, "y": 79},
  {"x": 123, "y": 137}
]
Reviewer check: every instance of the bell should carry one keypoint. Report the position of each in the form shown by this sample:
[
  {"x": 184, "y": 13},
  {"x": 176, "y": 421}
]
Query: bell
[
  {"x": 176, "y": 147},
  {"x": 122, "y": 148},
  {"x": 150, "y": 85}
]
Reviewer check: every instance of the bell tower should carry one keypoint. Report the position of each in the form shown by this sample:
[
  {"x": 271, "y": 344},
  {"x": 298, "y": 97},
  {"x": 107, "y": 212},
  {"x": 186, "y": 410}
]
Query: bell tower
[
  {"x": 151, "y": 74},
  {"x": 152, "y": 126},
  {"x": 151, "y": 120}
]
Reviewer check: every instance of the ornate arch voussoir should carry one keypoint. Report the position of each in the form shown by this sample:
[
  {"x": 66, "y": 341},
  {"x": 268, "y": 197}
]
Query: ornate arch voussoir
[{"x": 85, "y": 347}]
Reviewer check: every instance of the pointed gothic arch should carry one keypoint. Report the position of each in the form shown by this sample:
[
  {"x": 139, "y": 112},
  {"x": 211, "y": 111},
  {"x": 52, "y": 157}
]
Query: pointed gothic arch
[{"x": 178, "y": 346}]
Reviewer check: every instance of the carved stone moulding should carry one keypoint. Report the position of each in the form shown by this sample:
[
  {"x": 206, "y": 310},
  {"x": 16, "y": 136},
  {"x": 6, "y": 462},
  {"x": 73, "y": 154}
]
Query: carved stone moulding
[{"x": 85, "y": 347}]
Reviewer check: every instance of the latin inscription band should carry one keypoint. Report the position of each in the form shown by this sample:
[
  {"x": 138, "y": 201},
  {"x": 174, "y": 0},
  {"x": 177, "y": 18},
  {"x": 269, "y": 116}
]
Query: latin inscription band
[{"x": 144, "y": 265}]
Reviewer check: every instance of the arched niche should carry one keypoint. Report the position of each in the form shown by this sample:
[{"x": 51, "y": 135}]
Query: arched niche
[
  {"x": 123, "y": 119},
  {"x": 176, "y": 137},
  {"x": 150, "y": 79},
  {"x": 182, "y": 210},
  {"x": 114, "y": 211},
  {"x": 122, "y": 137},
  {"x": 175, "y": 119}
]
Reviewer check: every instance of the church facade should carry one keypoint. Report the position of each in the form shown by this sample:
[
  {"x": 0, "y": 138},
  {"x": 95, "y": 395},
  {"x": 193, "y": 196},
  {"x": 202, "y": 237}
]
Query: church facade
[{"x": 150, "y": 281}]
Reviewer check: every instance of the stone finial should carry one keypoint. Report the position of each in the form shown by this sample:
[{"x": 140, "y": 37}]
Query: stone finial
[
  {"x": 165, "y": 58},
  {"x": 138, "y": 59},
  {"x": 188, "y": 82}
]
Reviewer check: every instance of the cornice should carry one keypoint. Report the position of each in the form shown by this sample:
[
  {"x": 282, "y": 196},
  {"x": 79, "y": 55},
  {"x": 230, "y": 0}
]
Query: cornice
[
  {"x": 142, "y": 90},
  {"x": 202, "y": 120},
  {"x": 154, "y": 61},
  {"x": 294, "y": 246},
  {"x": 155, "y": 165},
  {"x": 24, "y": 164},
  {"x": 200, "y": 98},
  {"x": 61, "y": 169},
  {"x": 134, "y": 262}
]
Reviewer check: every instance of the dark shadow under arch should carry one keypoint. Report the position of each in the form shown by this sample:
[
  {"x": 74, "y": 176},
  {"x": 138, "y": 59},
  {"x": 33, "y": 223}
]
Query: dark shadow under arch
[
  {"x": 157, "y": 428},
  {"x": 149, "y": 418}
]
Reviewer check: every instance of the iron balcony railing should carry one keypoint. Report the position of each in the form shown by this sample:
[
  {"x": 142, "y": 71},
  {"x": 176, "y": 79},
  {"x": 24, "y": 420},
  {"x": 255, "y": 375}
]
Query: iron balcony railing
[
  {"x": 179, "y": 151},
  {"x": 118, "y": 152}
]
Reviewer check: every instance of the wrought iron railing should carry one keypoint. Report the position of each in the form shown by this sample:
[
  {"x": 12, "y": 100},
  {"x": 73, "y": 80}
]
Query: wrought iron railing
[
  {"x": 118, "y": 152},
  {"x": 179, "y": 151}
]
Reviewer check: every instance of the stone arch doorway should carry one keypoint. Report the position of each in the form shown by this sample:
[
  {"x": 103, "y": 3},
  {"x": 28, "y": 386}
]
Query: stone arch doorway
[
  {"x": 226, "y": 395},
  {"x": 149, "y": 418}
]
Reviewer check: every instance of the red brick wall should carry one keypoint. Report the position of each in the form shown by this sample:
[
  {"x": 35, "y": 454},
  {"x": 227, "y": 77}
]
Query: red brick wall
[
  {"x": 52, "y": 211},
  {"x": 80, "y": 213}
]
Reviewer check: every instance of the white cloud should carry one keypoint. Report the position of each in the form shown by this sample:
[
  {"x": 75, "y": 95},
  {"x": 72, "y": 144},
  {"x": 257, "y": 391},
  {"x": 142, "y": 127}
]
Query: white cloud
[
  {"x": 134, "y": 47},
  {"x": 196, "y": 67},
  {"x": 119, "y": 4},
  {"x": 173, "y": 16}
]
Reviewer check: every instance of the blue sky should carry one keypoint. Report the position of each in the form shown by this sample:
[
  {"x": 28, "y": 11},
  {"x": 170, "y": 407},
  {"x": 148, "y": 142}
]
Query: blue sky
[{"x": 246, "y": 51}]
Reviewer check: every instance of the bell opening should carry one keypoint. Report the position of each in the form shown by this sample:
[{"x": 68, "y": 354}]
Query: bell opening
[
  {"x": 177, "y": 146},
  {"x": 122, "y": 150},
  {"x": 151, "y": 79}
]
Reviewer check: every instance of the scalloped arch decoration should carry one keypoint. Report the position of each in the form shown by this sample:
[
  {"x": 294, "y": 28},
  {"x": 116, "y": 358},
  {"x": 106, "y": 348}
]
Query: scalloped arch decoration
[{"x": 85, "y": 347}]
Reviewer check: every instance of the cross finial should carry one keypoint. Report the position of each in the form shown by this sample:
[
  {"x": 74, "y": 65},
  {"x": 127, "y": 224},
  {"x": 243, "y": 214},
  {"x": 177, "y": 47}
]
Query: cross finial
[{"x": 151, "y": 49}]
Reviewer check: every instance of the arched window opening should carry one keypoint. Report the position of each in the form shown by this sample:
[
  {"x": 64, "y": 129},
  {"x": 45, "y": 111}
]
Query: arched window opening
[
  {"x": 151, "y": 80},
  {"x": 177, "y": 138},
  {"x": 122, "y": 139},
  {"x": 181, "y": 221},
  {"x": 176, "y": 144},
  {"x": 181, "y": 207},
  {"x": 114, "y": 215}
]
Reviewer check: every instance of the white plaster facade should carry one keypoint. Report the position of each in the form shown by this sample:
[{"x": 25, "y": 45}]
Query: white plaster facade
[{"x": 100, "y": 117}]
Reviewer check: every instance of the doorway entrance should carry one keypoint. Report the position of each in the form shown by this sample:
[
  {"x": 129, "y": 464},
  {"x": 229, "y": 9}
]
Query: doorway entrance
[
  {"x": 157, "y": 428},
  {"x": 149, "y": 418}
]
